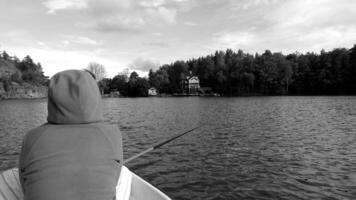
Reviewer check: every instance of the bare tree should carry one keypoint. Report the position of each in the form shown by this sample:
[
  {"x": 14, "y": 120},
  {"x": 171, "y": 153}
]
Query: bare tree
[{"x": 98, "y": 70}]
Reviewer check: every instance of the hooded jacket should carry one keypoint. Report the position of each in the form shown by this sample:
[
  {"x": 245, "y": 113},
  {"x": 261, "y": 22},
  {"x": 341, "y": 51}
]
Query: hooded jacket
[{"x": 75, "y": 155}]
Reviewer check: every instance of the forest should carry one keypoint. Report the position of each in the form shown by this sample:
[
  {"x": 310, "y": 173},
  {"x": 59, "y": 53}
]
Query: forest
[
  {"x": 234, "y": 73},
  {"x": 228, "y": 73}
]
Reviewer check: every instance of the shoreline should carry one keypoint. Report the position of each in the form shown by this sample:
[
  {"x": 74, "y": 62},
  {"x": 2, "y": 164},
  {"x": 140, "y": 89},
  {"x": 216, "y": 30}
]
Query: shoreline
[{"x": 182, "y": 96}]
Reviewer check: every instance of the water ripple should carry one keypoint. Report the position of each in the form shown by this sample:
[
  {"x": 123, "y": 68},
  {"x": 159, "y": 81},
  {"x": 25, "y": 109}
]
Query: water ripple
[{"x": 251, "y": 148}]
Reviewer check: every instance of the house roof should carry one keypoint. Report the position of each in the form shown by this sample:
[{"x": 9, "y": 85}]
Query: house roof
[{"x": 191, "y": 77}]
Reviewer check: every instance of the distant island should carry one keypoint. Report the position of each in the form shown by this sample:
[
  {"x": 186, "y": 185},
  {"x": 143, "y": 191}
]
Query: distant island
[
  {"x": 21, "y": 79},
  {"x": 224, "y": 73}
]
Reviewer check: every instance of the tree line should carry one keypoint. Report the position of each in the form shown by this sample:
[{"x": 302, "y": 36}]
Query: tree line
[
  {"x": 233, "y": 73},
  {"x": 227, "y": 72},
  {"x": 127, "y": 85}
]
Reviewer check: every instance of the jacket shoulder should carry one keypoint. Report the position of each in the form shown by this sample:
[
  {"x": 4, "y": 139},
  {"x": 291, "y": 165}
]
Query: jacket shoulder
[
  {"x": 113, "y": 135},
  {"x": 32, "y": 136}
]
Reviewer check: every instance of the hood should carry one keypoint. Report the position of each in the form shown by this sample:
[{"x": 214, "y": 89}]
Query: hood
[{"x": 74, "y": 98}]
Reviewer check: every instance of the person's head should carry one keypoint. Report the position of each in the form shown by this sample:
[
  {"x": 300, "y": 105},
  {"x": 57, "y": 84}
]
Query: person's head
[{"x": 74, "y": 98}]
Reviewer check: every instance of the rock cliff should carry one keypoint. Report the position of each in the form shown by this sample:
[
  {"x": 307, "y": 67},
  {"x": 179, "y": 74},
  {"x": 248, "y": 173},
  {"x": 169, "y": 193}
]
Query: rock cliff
[
  {"x": 12, "y": 85},
  {"x": 22, "y": 91}
]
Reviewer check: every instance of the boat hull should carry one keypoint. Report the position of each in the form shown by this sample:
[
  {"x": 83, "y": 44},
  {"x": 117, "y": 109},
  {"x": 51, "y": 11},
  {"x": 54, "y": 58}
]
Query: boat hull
[{"x": 129, "y": 187}]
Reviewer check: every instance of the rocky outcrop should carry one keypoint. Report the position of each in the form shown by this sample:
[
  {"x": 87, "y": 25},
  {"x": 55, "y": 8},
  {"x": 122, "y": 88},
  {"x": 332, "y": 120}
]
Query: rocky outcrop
[
  {"x": 14, "y": 90},
  {"x": 12, "y": 86}
]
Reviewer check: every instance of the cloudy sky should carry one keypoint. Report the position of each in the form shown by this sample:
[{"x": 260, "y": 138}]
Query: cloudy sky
[{"x": 143, "y": 34}]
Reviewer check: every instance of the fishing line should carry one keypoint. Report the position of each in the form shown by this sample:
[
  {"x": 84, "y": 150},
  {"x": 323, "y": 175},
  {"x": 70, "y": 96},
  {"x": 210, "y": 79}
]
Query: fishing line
[
  {"x": 166, "y": 141},
  {"x": 160, "y": 144},
  {"x": 180, "y": 135}
]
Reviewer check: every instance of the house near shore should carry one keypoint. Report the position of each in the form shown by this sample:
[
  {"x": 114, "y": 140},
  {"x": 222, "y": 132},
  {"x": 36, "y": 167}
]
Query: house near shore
[
  {"x": 152, "y": 91},
  {"x": 191, "y": 85}
]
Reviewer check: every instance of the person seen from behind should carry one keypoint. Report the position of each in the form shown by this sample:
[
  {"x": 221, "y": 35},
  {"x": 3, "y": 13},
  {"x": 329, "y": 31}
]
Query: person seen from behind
[{"x": 75, "y": 155}]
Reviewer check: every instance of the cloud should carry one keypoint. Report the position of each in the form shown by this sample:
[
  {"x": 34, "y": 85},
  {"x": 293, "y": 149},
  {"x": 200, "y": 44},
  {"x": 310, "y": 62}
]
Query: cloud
[
  {"x": 64, "y": 43},
  {"x": 81, "y": 40},
  {"x": 151, "y": 3},
  {"x": 118, "y": 23},
  {"x": 317, "y": 24},
  {"x": 247, "y": 4},
  {"x": 190, "y": 24},
  {"x": 161, "y": 14},
  {"x": 314, "y": 14},
  {"x": 41, "y": 43},
  {"x": 122, "y": 30},
  {"x": 86, "y": 40},
  {"x": 237, "y": 39},
  {"x": 156, "y": 44},
  {"x": 118, "y": 15},
  {"x": 287, "y": 26},
  {"x": 108, "y": 7},
  {"x": 54, "y": 5},
  {"x": 328, "y": 38},
  {"x": 180, "y": 0},
  {"x": 144, "y": 64},
  {"x": 125, "y": 15},
  {"x": 157, "y": 34}
]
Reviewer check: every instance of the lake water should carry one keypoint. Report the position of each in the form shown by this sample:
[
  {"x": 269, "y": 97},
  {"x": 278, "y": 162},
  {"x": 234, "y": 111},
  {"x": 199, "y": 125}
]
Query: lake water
[{"x": 249, "y": 148}]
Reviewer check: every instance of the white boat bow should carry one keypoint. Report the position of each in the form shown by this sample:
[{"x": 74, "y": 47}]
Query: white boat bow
[{"x": 129, "y": 187}]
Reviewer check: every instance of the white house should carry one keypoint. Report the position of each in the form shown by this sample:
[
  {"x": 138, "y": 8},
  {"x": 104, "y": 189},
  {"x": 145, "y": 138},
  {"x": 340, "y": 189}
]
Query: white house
[
  {"x": 152, "y": 91},
  {"x": 193, "y": 84},
  {"x": 190, "y": 85}
]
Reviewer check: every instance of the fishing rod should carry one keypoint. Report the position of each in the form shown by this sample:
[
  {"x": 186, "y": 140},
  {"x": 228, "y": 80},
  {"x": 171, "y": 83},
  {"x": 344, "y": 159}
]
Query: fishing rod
[
  {"x": 165, "y": 142},
  {"x": 177, "y": 136},
  {"x": 160, "y": 144}
]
